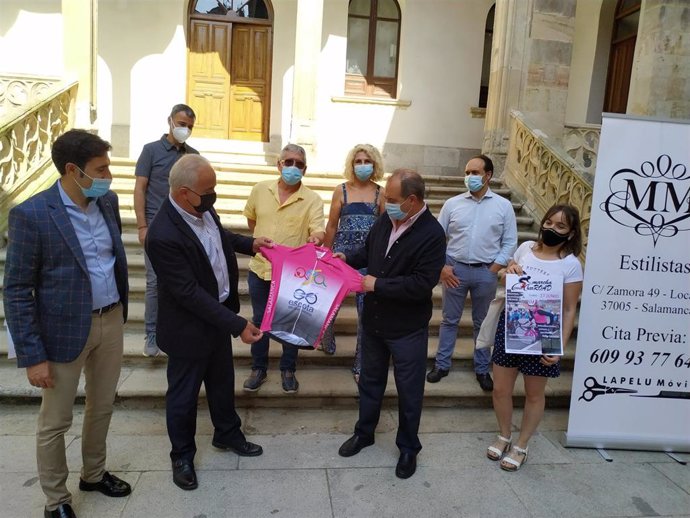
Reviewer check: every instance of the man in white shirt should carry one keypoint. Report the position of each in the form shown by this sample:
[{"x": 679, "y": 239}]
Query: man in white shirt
[{"x": 481, "y": 231}]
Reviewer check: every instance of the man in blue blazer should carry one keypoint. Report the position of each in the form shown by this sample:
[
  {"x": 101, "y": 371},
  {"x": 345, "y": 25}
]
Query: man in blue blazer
[
  {"x": 194, "y": 260},
  {"x": 65, "y": 297}
]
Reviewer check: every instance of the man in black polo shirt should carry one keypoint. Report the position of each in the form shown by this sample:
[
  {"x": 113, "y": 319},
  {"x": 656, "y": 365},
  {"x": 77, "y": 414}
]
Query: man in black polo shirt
[
  {"x": 404, "y": 253},
  {"x": 150, "y": 190}
]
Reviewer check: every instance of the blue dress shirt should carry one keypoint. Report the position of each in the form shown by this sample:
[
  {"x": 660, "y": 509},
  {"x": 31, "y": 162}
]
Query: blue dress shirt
[
  {"x": 479, "y": 231},
  {"x": 97, "y": 246}
]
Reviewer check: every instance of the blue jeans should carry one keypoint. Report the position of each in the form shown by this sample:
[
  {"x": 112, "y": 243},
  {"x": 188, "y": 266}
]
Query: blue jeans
[
  {"x": 258, "y": 292},
  {"x": 481, "y": 284},
  {"x": 150, "y": 298}
]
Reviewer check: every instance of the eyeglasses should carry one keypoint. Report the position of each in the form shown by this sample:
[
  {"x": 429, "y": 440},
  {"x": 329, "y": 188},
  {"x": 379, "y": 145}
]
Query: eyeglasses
[
  {"x": 360, "y": 161},
  {"x": 289, "y": 162}
]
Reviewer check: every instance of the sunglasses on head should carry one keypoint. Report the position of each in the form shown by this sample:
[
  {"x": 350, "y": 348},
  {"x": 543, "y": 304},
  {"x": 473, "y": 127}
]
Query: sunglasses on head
[{"x": 289, "y": 162}]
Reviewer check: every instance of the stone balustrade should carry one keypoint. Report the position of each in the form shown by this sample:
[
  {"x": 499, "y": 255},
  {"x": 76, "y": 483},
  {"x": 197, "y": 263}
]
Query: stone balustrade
[
  {"x": 26, "y": 136},
  {"x": 581, "y": 143},
  {"x": 543, "y": 174},
  {"x": 17, "y": 91}
]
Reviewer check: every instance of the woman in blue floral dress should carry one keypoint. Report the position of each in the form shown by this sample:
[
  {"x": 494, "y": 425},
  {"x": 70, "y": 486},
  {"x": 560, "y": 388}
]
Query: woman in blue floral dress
[{"x": 355, "y": 206}]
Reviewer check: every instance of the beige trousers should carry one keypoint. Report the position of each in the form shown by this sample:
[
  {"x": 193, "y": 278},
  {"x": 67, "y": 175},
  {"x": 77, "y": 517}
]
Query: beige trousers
[{"x": 101, "y": 360}]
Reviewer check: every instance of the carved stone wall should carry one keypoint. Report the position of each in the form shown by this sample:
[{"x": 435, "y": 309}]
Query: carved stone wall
[
  {"x": 26, "y": 138},
  {"x": 544, "y": 175},
  {"x": 17, "y": 91},
  {"x": 581, "y": 143}
]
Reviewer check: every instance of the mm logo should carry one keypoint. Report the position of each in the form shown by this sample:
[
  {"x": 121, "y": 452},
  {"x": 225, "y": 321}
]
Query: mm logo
[
  {"x": 311, "y": 277},
  {"x": 654, "y": 201}
]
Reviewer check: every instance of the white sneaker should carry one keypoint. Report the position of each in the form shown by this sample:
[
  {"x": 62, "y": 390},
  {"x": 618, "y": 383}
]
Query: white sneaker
[{"x": 151, "y": 349}]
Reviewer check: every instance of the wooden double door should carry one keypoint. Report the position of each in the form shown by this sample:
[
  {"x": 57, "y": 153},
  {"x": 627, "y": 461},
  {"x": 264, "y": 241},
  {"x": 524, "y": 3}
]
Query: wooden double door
[{"x": 229, "y": 79}]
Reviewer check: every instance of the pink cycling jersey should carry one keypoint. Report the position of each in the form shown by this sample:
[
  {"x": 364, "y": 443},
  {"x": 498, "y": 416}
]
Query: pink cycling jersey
[{"x": 308, "y": 285}]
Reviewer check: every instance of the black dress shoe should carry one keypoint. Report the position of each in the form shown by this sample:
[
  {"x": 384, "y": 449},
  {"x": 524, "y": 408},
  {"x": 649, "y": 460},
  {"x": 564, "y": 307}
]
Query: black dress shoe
[
  {"x": 407, "y": 465},
  {"x": 485, "y": 382},
  {"x": 354, "y": 445},
  {"x": 184, "y": 475},
  {"x": 63, "y": 511},
  {"x": 244, "y": 449},
  {"x": 109, "y": 485},
  {"x": 436, "y": 374}
]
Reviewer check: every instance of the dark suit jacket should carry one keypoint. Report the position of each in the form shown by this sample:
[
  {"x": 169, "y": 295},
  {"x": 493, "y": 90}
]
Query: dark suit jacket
[
  {"x": 47, "y": 291},
  {"x": 191, "y": 321},
  {"x": 405, "y": 276}
]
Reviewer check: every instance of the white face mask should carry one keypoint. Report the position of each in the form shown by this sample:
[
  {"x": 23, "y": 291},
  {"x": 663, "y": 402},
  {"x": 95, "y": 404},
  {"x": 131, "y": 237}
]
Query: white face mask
[{"x": 180, "y": 133}]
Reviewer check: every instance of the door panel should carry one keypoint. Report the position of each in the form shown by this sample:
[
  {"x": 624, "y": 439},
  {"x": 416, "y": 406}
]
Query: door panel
[
  {"x": 229, "y": 78},
  {"x": 209, "y": 77},
  {"x": 250, "y": 73},
  {"x": 620, "y": 71}
]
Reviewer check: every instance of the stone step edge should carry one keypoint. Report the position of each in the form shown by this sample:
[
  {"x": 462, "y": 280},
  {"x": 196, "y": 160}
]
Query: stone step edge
[{"x": 316, "y": 385}]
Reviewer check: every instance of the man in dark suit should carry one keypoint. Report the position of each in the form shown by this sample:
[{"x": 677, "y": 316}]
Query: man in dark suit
[
  {"x": 65, "y": 296},
  {"x": 194, "y": 260},
  {"x": 404, "y": 253}
]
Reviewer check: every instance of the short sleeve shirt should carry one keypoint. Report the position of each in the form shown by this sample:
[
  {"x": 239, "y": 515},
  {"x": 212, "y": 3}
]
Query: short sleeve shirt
[
  {"x": 154, "y": 163},
  {"x": 568, "y": 267},
  {"x": 289, "y": 224}
]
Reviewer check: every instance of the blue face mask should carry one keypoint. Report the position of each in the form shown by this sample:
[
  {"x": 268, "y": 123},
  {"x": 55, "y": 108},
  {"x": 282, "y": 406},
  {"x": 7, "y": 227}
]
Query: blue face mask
[
  {"x": 395, "y": 211},
  {"x": 99, "y": 186},
  {"x": 364, "y": 171},
  {"x": 474, "y": 183},
  {"x": 291, "y": 175}
]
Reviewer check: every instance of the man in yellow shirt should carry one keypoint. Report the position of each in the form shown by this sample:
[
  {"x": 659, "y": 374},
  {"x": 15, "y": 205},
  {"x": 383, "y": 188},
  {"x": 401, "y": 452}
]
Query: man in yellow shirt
[{"x": 291, "y": 214}]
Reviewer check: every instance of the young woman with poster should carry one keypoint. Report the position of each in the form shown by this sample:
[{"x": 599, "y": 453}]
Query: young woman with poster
[
  {"x": 554, "y": 253},
  {"x": 355, "y": 206}
]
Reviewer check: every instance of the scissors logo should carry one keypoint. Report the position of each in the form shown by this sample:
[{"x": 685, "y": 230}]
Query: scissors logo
[
  {"x": 594, "y": 389},
  {"x": 311, "y": 276},
  {"x": 309, "y": 298}
]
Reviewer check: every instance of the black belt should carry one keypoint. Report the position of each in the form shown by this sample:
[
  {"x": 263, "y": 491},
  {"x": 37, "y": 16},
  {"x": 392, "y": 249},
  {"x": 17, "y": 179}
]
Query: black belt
[
  {"x": 105, "y": 309},
  {"x": 475, "y": 265}
]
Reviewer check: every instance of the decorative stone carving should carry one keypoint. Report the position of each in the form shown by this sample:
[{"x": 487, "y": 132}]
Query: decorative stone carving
[
  {"x": 18, "y": 91},
  {"x": 544, "y": 174},
  {"x": 581, "y": 142},
  {"x": 26, "y": 140}
]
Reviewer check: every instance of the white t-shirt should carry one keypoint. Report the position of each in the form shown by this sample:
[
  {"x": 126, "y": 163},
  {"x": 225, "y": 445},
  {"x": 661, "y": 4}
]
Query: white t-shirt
[{"x": 569, "y": 267}]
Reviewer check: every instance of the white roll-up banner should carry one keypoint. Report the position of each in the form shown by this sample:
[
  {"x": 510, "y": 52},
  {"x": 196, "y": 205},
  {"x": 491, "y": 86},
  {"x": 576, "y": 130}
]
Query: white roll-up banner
[{"x": 631, "y": 384}]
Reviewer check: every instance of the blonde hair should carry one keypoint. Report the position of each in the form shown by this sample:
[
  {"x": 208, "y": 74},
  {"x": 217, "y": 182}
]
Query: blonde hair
[{"x": 373, "y": 154}]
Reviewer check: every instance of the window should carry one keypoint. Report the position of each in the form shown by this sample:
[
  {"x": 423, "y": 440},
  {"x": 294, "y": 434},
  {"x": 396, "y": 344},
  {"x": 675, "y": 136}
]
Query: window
[
  {"x": 233, "y": 8},
  {"x": 373, "y": 40},
  {"x": 486, "y": 60}
]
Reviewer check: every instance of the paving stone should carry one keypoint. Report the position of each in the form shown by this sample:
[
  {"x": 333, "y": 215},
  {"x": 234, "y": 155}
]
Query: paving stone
[
  {"x": 437, "y": 492},
  {"x": 223, "y": 494},
  {"x": 603, "y": 489},
  {"x": 19, "y": 454},
  {"x": 678, "y": 473}
]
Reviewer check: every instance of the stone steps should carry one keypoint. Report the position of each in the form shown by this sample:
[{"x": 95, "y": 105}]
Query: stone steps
[
  {"x": 325, "y": 380},
  {"x": 319, "y": 387}
]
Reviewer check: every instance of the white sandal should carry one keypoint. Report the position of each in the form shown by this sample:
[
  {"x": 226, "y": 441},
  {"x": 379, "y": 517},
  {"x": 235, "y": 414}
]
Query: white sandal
[
  {"x": 510, "y": 463},
  {"x": 494, "y": 453}
]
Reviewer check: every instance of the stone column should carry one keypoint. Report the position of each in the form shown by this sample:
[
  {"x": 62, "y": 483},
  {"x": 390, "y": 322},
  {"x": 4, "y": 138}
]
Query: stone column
[
  {"x": 307, "y": 53},
  {"x": 79, "y": 24},
  {"x": 530, "y": 68},
  {"x": 660, "y": 80}
]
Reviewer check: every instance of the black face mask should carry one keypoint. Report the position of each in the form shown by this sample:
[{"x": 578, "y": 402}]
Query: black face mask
[
  {"x": 206, "y": 203},
  {"x": 552, "y": 238}
]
